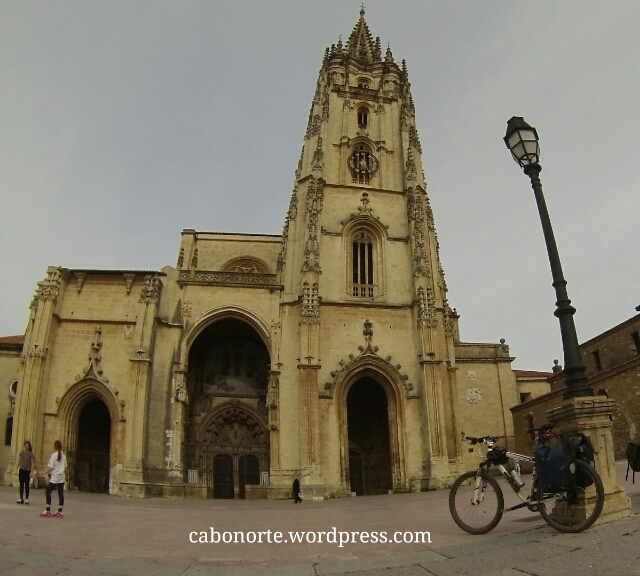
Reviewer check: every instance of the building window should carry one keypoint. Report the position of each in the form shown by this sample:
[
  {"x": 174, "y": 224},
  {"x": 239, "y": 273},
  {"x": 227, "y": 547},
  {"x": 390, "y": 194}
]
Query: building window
[
  {"x": 530, "y": 425},
  {"x": 8, "y": 431},
  {"x": 636, "y": 340},
  {"x": 525, "y": 397},
  {"x": 363, "y": 117},
  {"x": 363, "y": 83},
  {"x": 363, "y": 165},
  {"x": 596, "y": 357},
  {"x": 362, "y": 266}
]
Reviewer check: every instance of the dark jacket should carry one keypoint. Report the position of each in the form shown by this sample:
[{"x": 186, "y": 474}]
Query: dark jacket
[{"x": 296, "y": 485}]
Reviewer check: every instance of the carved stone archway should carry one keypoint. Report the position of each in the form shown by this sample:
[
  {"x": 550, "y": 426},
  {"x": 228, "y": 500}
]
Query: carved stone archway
[
  {"x": 239, "y": 435},
  {"x": 70, "y": 407},
  {"x": 375, "y": 368}
]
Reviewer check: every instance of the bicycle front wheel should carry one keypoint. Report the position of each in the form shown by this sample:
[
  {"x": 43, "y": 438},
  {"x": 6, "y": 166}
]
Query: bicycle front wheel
[
  {"x": 476, "y": 509},
  {"x": 576, "y": 509}
]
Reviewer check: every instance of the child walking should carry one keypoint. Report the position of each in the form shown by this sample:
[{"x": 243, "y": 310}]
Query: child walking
[
  {"x": 25, "y": 468},
  {"x": 55, "y": 468}
]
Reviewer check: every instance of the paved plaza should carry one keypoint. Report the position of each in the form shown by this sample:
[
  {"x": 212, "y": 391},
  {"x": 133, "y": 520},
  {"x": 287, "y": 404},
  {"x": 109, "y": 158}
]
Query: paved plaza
[{"x": 103, "y": 534}]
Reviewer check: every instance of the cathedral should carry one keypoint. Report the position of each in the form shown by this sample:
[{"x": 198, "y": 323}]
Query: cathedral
[{"x": 328, "y": 352}]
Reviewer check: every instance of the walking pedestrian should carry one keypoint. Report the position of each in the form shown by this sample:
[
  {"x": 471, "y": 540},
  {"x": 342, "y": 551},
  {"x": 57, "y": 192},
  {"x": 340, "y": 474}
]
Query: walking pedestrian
[
  {"x": 55, "y": 469},
  {"x": 296, "y": 491},
  {"x": 25, "y": 469}
]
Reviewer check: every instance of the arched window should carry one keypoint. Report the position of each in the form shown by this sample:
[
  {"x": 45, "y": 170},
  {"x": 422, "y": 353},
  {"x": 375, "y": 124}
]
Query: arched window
[
  {"x": 363, "y": 281},
  {"x": 363, "y": 165},
  {"x": 363, "y": 117},
  {"x": 363, "y": 83},
  {"x": 8, "y": 432}
]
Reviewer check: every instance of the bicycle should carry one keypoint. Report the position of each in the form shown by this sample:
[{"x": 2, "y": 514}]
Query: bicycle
[{"x": 476, "y": 501}]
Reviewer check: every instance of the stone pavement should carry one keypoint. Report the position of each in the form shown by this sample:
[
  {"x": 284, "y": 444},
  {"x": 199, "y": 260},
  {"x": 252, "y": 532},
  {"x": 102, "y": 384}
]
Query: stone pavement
[{"x": 110, "y": 535}]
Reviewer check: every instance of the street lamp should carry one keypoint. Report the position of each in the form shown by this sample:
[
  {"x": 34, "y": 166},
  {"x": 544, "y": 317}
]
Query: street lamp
[{"x": 522, "y": 141}]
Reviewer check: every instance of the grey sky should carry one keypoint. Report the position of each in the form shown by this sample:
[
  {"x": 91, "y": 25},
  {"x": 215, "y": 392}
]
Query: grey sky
[{"x": 122, "y": 123}]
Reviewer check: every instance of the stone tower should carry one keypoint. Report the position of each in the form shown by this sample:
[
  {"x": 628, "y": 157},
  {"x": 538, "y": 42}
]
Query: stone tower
[{"x": 360, "y": 250}]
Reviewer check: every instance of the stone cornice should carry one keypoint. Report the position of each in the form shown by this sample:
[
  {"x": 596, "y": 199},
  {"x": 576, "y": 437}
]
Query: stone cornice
[{"x": 247, "y": 279}]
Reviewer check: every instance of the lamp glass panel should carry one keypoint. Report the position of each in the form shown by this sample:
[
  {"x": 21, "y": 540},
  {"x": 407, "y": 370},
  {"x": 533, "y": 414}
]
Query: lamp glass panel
[
  {"x": 527, "y": 134},
  {"x": 518, "y": 151},
  {"x": 513, "y": 139},
  {"x": 531, "y": 147}
]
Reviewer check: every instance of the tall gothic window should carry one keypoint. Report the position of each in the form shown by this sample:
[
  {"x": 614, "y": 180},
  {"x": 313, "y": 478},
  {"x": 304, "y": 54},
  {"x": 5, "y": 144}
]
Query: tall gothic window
[
  {"x": 363, "y": 264},
  {"x": 363, "y": 117},
  {"x": 363, "y": 165}
]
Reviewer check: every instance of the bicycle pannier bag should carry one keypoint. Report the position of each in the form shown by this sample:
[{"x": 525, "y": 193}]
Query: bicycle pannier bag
[
  {"x": 633, "y": 458},
  {"x": 586, "y": 453},
  {"x": 556, "y": 465}
]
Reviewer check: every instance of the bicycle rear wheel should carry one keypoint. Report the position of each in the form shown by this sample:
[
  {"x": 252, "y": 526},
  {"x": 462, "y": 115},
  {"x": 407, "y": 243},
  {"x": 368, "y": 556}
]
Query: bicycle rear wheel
[
  {"x": 479, "y": 517},
  {"x": 577, "y": 509}
]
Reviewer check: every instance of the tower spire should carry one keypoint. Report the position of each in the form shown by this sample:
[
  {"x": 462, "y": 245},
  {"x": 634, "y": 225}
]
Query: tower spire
[{"x": 360, "y": 45}]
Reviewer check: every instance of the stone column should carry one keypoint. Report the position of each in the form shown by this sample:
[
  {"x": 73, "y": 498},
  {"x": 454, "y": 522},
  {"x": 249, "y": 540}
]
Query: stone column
[
  {"x": 591, "y": 415},
  {"x": 133, "y": 483},
  {"x": 175, "y": 435}
]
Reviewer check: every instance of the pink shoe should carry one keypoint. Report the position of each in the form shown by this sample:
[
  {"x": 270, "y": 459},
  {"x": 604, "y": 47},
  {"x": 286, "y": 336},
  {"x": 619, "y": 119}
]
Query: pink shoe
[
  {"x": 58, "y": 515},
  {"x": 45, "y": 514}
]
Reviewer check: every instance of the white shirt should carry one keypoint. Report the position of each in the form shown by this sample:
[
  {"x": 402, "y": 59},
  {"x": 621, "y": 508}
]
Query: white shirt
[{"x": 57, "y": 468}]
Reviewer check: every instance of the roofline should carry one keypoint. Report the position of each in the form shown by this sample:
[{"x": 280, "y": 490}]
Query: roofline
[
  {"x": 610, "y": 331},
  {"x": 113, "y": 272},
  {"x": 196, "y": 232}
]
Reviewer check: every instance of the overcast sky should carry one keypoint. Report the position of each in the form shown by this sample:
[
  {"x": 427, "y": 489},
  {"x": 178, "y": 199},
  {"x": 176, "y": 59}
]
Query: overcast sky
[{"x": 121, "y": 123}]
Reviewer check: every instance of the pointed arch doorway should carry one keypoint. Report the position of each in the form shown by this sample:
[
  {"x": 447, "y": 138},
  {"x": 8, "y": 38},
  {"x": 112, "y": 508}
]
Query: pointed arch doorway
[
  {"x": 92, "y": 457},
  {"x": 369, "y": 438}
]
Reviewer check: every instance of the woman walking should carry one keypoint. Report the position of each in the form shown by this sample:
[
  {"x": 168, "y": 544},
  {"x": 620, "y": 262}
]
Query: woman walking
[
  {"x": 55, "y": 469},
  {"x": 26, "y": 468}
]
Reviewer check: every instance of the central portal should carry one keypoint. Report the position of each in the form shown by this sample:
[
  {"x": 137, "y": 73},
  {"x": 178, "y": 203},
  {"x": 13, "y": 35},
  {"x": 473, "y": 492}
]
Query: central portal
[
  {"x": 369, "y": 445},
  {"x": 227, "y": 448}
]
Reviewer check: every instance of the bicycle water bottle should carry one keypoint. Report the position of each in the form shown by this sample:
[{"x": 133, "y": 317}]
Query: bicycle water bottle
[{"x": 517, "y": 480}]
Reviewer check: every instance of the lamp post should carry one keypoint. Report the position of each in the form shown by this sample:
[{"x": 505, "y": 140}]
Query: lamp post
[{"x": 522, "y": 141}]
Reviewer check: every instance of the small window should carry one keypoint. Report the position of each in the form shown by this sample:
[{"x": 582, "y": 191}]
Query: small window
[
  {"x": 363, "y": 285},
  {"x": 636, "y": 340},
  {"x": 363, "y": 117},
  {"x": 14, "y": 387},
  {"x": 525, "y": 397},
  {"x": 9, "y": 431},
  {"x": 530, "y": 425},
  {"x": 602, "y": 393},
  {"x": 363, "y": 83},
  {"x": 596, "y": 357}
]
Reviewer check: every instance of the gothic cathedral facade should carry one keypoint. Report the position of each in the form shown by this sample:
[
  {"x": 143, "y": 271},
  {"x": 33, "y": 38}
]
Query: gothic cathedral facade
[{"x": 329, "y": 352}]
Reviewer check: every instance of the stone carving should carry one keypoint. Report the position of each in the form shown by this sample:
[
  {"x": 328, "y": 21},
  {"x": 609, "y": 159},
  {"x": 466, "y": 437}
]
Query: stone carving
[
  {"x": 410, "y": 166},
  {"x": 48, "y": 288},
  {"x": 80, "y": 278},
  {"x": 215, "y": 277},
  {"x": 448, "y": 324},
  {"x": 315, "y": 126},
  {"x": 205, "y": 404},
  {"x": 194, "y": 259},
  {"x": 310, "y": 311},
  {"x": 474, "y": 396},
  {"x": 415, "y": 214},
  {"x": 315, "y": 200},
  {"x": 127, "y": 331},
  {"x": 427, "y": 316},
  {"x": 186, "y": 309},
  {"x": 292, "y": 214},
  {"x": 246, "y": 266},
  {"x": 325, "y": 102},
  {"x": 318, "y": 156},
  {"x": 372, "y": 351},
  {"x": 442, "y": 283},
  {"x": 37, "y": 352},
  {"x": 150, "y": 292},
  {"x": 273, "y": 391},
  {"x": 128, "y": 280},
  {"x": 180, "y": 258},
  {"x": 414, "y": 140},
  {"x": 181, "y": 393}
]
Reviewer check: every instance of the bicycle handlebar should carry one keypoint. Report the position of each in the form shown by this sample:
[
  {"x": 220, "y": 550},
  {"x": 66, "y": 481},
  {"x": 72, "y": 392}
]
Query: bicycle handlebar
[{"x": 484, "y": 439}]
